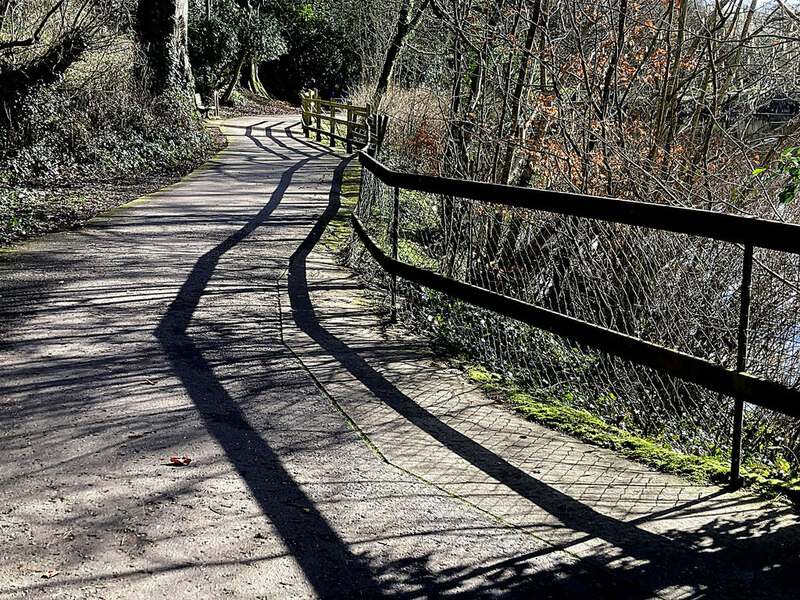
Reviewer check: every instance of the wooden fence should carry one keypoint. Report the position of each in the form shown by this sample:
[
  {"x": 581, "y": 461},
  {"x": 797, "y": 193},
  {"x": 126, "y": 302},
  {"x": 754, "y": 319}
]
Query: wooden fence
[
  {"x": 347, "y": 123},
  {"x": 746, "y": 231}
]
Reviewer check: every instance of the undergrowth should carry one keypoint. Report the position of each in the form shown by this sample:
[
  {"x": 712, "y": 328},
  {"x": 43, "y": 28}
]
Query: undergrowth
[
  {"x": 557, "y": 414},
  {"x": 71, "y": 150},
  {"x": 338, "y": 230}
]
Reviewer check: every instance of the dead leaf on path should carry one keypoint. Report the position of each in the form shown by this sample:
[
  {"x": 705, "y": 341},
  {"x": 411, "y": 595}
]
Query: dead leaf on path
[
  {"x": 295, "y": 505},
  {"x": 49, "y": 574},
  {"x": 182, "y": 461},
  {"x": 152, "y": 381}
]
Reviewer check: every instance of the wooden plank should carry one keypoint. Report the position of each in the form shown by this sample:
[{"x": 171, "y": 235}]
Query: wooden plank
[
  {"x": 340, "y": 121},
  {"x": 360, "y": 110},
  {"x": 762, "y": 233},
  {"x": 343, "y": 106},
  {"x": 359, "y": 139}
]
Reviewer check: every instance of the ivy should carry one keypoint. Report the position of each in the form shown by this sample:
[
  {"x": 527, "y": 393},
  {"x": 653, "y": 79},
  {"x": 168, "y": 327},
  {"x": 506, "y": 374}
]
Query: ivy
[{"x": 788, "y": 168}]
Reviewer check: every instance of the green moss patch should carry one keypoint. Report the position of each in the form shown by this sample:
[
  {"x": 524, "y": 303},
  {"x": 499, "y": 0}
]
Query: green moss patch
[
  {"x": 339, "y": 228},
  {"x": 586, "y": 427}
]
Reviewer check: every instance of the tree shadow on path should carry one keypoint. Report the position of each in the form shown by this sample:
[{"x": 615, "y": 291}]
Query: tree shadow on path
[{"x": 317, "y": 548}]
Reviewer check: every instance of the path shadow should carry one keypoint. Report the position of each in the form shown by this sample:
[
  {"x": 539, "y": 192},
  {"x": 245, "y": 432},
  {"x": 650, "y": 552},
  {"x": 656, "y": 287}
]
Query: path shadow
[
  {"x": 655, "y": 563},
  {"x": 316, "y": 547},
  {"x": 559, "y": 584},
  {"x": 330, "y": 565}
]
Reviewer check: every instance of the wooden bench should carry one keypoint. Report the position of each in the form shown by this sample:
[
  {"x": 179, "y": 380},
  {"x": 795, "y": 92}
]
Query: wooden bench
[{"x": 205, "y": 111}]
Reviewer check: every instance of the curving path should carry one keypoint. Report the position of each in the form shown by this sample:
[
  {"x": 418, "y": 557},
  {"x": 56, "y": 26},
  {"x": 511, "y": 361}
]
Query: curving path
[{"x": 204, "y": 321}]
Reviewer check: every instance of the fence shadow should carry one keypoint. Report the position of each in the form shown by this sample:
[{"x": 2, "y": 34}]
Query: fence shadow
[
  {"x": 657, "y": 563},
  {"x": 314, "y": 544}
]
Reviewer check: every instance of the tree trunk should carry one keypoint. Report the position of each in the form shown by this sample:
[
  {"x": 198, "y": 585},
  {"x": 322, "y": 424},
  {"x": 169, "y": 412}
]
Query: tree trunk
[
  {"x": 226, "y": 97},
  {"x": 162, "y": 29},
  {"x": 254, "y": 81},
  {"x": 516, "y": 99},
  {"x": 15, "y": 84},
  {"x": 404, "y": 27}
]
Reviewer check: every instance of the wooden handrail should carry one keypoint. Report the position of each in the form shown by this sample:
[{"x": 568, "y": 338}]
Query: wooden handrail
[
  {"x": 762, "y": 233},
  {"x": 354, "y": 124},
  {"x": 731, "y": 382},
  {"x": 747, "y": 231}
]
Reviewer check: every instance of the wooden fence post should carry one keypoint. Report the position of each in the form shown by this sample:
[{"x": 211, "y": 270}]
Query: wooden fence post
[
  {"x": 317, "y": 112},
  {"x": 304, "y": 112},
  {"x": 382, "y": 124},
  {"x": 369, "y": 124},
  {"x": 333, "y": 125},
  {"x": 349, "y": 127},
  {"x": 395, "y": 240},
  {"x": 741, "y": 365}
]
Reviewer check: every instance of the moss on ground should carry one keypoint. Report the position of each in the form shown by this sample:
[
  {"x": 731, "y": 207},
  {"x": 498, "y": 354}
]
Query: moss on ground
[
  {"x": 588, "y": 428},
  {"x": 339, "y": 228},
  {"x": 556, "y": 414}
]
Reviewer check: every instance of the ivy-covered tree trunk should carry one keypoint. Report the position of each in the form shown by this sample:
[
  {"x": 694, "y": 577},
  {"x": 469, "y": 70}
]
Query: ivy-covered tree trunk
[
  {"x": 254, "y": 81},
  {"x": 16, "y": 83},
  {"x": 162, "y": 29}
]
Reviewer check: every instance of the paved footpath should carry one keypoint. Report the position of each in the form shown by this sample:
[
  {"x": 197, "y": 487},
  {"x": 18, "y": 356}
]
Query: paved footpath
[{"x": 329, "y": 458}]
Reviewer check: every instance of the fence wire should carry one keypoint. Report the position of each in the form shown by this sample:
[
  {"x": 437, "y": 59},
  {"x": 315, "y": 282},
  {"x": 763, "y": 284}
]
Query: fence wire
[{"x": 672, "y": 289}]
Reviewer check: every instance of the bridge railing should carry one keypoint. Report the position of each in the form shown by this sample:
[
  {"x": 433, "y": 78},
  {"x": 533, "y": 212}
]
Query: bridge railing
[{"x": 746, "y": 232}]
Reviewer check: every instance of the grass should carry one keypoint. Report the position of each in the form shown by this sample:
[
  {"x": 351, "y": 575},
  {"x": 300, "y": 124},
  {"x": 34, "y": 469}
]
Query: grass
[
  {"x": 586, "y": 427},
  {"x": 339, "y": 228}
]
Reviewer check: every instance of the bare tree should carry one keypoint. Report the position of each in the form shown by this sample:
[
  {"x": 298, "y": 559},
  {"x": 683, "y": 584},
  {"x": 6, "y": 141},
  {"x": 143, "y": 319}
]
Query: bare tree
[
  {"x": 675, "y": 102},
  {"x": 408, "y": 17}
]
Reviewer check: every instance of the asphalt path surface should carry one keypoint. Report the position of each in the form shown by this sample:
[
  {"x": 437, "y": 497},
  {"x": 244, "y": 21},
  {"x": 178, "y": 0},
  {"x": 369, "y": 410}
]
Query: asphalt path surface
[{"x": 155, "y": 333}]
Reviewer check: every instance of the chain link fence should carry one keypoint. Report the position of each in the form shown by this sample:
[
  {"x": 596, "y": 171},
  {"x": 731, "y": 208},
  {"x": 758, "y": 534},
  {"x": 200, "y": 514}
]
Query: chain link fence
[{"x": 676, "y": 290}]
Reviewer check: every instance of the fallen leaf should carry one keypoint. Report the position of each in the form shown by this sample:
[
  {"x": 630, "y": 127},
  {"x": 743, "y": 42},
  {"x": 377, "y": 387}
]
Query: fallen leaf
[
  {"x": 152, "y": 381},
  {"x": 182, "y": 461},
  {"x": 49, "y": 574}
]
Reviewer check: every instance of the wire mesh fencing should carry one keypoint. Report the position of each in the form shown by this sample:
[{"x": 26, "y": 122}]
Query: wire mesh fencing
[{"x": 676, "y": 290}]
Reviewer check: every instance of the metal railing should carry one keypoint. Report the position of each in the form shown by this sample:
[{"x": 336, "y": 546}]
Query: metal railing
[{"x": 746, "y": 231}]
